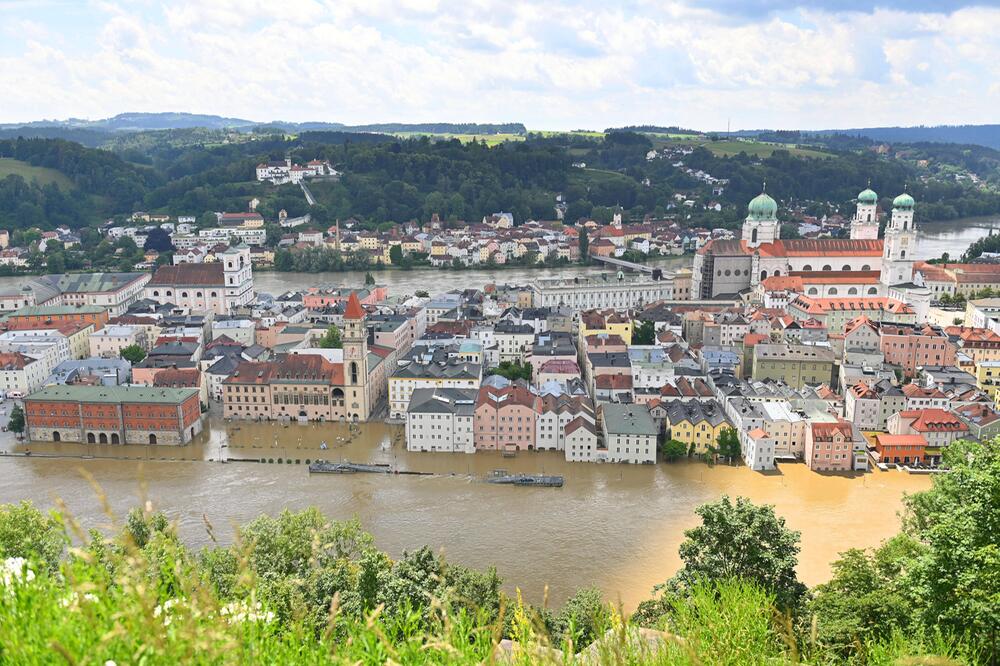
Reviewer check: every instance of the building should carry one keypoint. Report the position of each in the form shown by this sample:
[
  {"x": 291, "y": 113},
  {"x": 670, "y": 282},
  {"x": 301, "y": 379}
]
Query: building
[
  {"x": 901, "y": 449},
  {"x": 837, "y": 313},
  {"x": 114, "y": 292},
  {"x": 910, "y": 347},
  {"x": 218, "y": 287},
  {"x": 441, "y": 419},
  {"x": 54, "y": 316},
  {"x": 555, "y": 413},
  {"x": 758, "y": 450},
  {"x": 308, "y": 386},
  {"x": 863, "y": 406},
  {"x": 111, "y": 340},
  {"x": 601, "y": 291},
  {"x": 629, "y": 433},
  {"x": 429, "y": 369},
  {"x": 830, "y": 446},
  {"x": 582, "y": 444},
  {"x": 505, "y": 416},
  {"x": 795, "y": 365},
  {"x": 21, "y": 372},
  {"x": 696, "y": 424},
  {"x": 113, "y": 415},
  {"x": 938, "y": 427}
]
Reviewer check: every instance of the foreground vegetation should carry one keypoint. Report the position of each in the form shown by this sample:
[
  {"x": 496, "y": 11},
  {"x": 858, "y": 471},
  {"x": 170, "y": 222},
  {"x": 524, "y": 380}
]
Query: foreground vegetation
[{"x": 298, "y": 588}]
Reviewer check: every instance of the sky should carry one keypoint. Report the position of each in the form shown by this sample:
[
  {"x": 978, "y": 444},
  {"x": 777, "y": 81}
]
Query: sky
[{"x": 552, "y": 64}]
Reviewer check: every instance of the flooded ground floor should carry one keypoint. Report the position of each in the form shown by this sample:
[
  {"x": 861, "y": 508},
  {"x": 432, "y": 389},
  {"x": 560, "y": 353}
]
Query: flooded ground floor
[{"x": 614, "y": 526}]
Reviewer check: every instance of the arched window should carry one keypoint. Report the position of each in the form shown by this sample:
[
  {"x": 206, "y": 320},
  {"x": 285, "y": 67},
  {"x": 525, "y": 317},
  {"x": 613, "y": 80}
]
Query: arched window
[
  {"x": 229, "y": 264},
  {"x": 354, "y": 372},
  {"x": 827, "y": 267},
  {"x": 156, "y": 292},
  {"x": 872, "y": 291},
  {"x": 103, "y": 439},
  {"x": 753, "y": 236},
  {"x": 169, "y": 293},
  {"x": 807, "y": 267},
  {"x": 214, "y": 294},
  {"x": 198, "y": 294},
  {"x": 115, "y": 439},
  {"x": 813, "y": 291},
  {"x": 846, "y": 267},
  {"x": 902, "y": 254},
  {"x": 763, "y": 275},
  {"x": 853, "y": 291},
  {"x": 184, "y": 294},
  {"x": 833, "y": 291},
  {"x": 866, "y": 267},
  {"x": 777, "y": 273},
  {"x": 56, "y": 437},
  {"x": 152, "y": 439}
]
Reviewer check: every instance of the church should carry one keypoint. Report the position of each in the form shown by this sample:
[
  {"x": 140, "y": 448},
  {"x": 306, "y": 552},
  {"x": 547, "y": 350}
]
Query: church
[{"x": 863, "y": 266}]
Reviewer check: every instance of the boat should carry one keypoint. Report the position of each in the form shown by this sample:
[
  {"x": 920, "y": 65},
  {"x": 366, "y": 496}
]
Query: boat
[
  {"x": 325, "y": 467},
  {"x": 537, "y": 480}
]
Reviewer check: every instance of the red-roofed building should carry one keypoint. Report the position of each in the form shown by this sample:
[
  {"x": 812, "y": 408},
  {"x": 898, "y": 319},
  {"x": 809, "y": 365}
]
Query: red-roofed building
[
  {"x": 901, "y": 449},
  {"x": 937, "y": 426},
  {"x": 830, "y": 447}
]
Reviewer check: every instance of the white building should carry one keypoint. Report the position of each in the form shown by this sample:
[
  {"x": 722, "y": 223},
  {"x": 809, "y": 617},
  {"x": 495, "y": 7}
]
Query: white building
[
  {"x": 758, "y": 450},
  {"x": 629, "y": 433},
  {"x": 217, "y": 287},
  {"x": 111, "y": 340},
  {"x": 554, "y": 414},
  {"x": 581, "y": 442},
  {"x": 594, "y": 291},
  {"x": 20, "y": 372},
  {"x": 441, "y": 420}
]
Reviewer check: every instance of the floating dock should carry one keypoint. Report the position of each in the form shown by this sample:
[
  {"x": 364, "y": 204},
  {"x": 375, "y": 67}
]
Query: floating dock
[{"x": 536, "y": 480}]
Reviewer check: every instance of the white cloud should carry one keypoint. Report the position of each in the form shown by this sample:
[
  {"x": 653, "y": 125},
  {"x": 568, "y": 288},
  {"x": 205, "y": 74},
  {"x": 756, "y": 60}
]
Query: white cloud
[{"x": 562, "y": 64}]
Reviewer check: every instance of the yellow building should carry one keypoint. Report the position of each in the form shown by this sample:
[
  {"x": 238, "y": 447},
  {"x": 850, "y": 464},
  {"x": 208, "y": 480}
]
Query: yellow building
[
  {"x": 988, "y": 378},
  {"x": 609, "y": 322},
  {"x": 369, "y": 241},
  {"x": 696, "y": 424}
]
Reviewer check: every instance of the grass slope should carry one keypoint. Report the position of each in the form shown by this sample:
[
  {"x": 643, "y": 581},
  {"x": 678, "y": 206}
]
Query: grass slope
[{"x": 42, "y": 175}]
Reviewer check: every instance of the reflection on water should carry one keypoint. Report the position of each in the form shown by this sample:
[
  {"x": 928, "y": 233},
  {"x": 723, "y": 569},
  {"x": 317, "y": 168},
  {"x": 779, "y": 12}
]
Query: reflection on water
[
  {"x": 936, "y": 238},
  {"x": 614, "y": 526}
]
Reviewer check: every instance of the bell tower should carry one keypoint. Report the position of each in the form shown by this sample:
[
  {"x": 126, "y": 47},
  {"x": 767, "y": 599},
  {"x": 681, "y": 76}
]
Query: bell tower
[
  {"x": 761, "y": 225},
  {"x": 900, "y": 243},
  {"x": 355, "y": 343},
  {"x": 864, "y": 224}
]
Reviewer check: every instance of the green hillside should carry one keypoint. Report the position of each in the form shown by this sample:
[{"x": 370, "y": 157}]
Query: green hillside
[{"x": 40, "y": 175}]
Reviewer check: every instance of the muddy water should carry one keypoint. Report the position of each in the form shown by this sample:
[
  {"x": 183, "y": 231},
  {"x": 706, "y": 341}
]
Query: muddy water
[{"x": 617, "y": 527}]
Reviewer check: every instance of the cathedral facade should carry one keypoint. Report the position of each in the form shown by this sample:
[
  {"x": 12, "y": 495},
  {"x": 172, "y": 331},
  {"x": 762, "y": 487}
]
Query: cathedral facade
[{"x": 863, "y": 265}]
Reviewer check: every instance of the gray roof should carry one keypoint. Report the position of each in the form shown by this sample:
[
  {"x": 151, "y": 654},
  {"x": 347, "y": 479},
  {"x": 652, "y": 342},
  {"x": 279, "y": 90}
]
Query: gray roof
[
  {"x": 460, "y": 402},
  {"x": 628, "y": 420},
  {"x": 695, "y": 411},
  {"x": 450, "y": 370}
]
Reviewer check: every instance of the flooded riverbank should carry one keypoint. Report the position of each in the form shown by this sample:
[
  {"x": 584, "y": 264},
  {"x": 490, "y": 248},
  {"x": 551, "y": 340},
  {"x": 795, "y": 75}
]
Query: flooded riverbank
[{"x": 614, "y": 526}]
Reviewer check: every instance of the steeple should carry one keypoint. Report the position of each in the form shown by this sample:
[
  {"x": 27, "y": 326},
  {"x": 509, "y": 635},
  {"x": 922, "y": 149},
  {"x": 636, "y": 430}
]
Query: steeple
[{"x": 354, "y": 309}]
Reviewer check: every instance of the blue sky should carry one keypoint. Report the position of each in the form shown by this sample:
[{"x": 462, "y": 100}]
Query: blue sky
[{"x": 558, "y": 64}]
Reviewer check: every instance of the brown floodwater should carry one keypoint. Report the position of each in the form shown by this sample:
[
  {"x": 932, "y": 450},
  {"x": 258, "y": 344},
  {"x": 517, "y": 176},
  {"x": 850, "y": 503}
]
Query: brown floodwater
[{"x": 614, "y": 526}]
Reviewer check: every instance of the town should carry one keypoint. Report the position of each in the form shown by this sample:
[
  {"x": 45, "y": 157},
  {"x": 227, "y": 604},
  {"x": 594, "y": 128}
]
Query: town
[{"x": 835, "y": 353}]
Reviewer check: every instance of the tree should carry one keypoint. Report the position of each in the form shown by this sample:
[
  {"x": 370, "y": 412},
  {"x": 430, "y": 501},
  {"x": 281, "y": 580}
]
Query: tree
[
  {"x": 158, "y": 239},
  {"x": 672, "y": 450},
  {"x": 331, "y": 339},
  {"x": 583, "y": 618},
  {"x": 744, "y": 541},
  {"x": 27, "y": 532},
  {"x": 16, "y": 422},
  {"x": 728, "y": 444},
  {"x": 957, "y": 576},
  {"x": 369, "y": 279},
  {"x": 644, "y": 333},
  {"x": 56, "y": 262},
  {"x": 584, "y": 245},
  {"x": 420, "y": 293},
  {"x": 133, "y": 354},
  {"x": 396, "y": 255},
  {"x": 865, "y": 600},
  {"x": 512, "y": 370}
]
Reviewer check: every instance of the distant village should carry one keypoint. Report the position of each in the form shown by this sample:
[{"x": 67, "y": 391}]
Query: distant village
[{"x": 836, "y": 353}]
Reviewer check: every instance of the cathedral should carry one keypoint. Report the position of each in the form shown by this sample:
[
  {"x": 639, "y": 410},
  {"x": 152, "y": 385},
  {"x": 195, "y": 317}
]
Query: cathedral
[{"x": 862, "y": 266}]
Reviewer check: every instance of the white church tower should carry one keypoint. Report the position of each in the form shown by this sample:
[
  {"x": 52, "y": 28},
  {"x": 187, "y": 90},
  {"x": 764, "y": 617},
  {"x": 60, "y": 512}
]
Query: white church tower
[
  {"x": 900, "y": 243},
  {"x": 864, "y": 224},
  {"x": 761, "y": 225}
]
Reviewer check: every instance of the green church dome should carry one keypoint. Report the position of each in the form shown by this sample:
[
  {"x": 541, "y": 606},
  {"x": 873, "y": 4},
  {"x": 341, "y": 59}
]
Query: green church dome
[
  {"x": 904, "y": 200},
  {"x": 762, "y": 207},
  {"x": 867, "y": 196}
]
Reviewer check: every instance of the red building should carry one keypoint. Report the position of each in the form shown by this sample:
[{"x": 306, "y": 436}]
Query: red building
[
  {"x": 901, "y": 449},
  {"x": 910, "y": 347},
  {"x": 113, "y": 415}
]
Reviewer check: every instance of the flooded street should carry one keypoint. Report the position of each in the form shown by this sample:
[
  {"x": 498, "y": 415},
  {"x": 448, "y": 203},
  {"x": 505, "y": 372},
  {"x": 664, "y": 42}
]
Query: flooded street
[{"x": 614, "y": 526}]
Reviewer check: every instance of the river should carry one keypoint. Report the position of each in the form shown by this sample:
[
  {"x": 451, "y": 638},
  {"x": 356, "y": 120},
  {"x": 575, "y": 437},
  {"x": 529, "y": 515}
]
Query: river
[{"x": 614, "y": 526}]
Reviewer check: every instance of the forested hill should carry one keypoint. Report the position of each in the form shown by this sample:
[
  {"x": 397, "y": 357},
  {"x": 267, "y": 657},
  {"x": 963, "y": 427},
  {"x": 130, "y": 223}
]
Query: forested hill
[
  {"x": 387, "y": 179},
  {"x": 982, "y": 135}
]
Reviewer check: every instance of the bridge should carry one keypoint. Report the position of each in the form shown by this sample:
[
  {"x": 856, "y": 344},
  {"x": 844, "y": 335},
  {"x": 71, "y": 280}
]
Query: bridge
[{"x": 624, "y": 265}]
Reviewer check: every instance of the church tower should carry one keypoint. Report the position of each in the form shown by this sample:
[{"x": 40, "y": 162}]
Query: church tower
[
  {"x": 900, "y": 243},
  {"x": 864, "y": 224},
  {"x": 355, "y": 342},
  {"x": 761, "y": 225}
]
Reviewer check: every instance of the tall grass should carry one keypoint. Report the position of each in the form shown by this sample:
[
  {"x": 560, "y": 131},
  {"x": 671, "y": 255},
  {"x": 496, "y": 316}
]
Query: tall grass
[{"x": 301, "y": 590}]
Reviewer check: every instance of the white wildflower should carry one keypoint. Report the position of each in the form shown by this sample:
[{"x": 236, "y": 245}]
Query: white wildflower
[
  {"x": 15, "y": 570},
  {"x": 110, "y": 662},
  {"x": 238, "y": 612}
]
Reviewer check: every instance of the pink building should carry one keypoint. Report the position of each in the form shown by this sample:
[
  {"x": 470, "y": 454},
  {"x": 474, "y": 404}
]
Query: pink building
[
  {"x": 830, "y": 446},
  {"x": 505, "y": 418},
  {"x": 912, "y": 346},
  {"x": 317, "y": 299}
]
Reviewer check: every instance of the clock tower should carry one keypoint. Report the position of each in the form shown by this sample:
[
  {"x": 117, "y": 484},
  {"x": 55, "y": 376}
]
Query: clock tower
[{"x": 355, "y": 342}]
